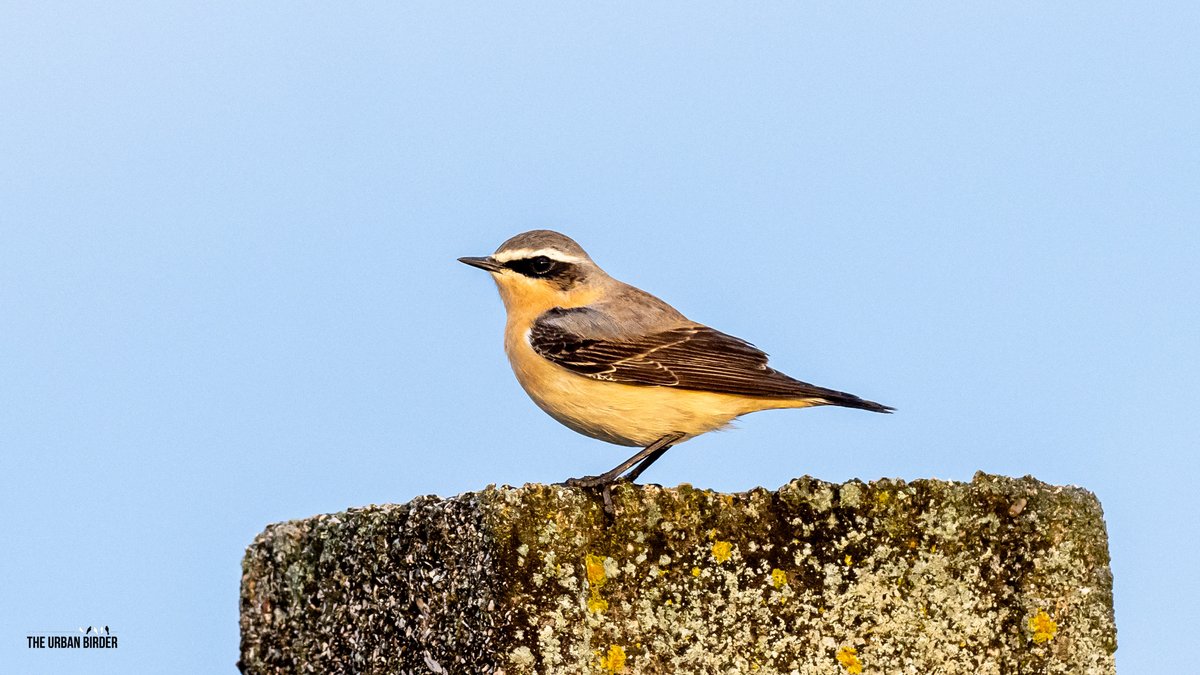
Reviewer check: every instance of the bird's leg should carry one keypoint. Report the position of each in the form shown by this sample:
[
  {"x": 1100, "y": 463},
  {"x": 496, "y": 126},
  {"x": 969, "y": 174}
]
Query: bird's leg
[
  {"x": 645, "y": 463},
  {"x": 644, "y": 458}
]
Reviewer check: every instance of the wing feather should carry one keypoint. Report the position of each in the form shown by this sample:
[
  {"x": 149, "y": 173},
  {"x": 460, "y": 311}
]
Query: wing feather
[{"x": 691, "y": 357}]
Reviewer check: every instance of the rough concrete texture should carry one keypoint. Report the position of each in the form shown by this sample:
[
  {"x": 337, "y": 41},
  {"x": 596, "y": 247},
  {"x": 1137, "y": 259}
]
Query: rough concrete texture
[{"x": 998, "y": 575}]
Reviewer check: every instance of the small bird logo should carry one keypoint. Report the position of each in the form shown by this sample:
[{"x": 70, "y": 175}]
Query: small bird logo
[{"x": 615, "y": 363}]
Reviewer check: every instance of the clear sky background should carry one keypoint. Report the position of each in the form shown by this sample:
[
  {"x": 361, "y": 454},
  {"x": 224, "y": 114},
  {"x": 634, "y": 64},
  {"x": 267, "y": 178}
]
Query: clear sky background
[{"x": 229, "y": 295}]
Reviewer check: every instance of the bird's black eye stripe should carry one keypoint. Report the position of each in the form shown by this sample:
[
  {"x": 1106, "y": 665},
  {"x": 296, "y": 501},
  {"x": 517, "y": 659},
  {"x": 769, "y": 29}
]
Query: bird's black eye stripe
[{"x": 538, "y": 266}]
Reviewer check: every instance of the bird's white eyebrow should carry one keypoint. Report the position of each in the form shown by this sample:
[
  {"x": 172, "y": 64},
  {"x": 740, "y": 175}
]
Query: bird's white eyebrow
[{"x": 522, "y": 253}]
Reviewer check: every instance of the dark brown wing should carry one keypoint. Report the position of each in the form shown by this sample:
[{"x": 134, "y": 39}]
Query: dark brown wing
[{"x": 691, "y": 357}]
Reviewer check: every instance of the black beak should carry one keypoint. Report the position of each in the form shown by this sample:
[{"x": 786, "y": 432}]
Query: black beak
[{"x": 483, "y": 263}]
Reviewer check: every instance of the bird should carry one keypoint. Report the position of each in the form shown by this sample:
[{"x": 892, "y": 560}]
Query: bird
[{"x": 615, "y": 363}]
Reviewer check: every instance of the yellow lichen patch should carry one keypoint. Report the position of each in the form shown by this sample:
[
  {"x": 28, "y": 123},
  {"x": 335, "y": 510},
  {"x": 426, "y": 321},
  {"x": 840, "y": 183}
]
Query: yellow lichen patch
[
  {"x": 594, "y": 566},
  {"x": 883, "y": 497},
  {"x": 695, "y": 571},
  {"x": 1042, "y": 627},
  {"x": 595, "y": 570},
  {"x": 848, "y": 657},
  {"x": 721, "y": 550},
  {"x": 596, "y": 603},
  {"x": 849, "y": 560},
  {"x": 778, "y": 578},
  {"x": 614, "y": 660}
]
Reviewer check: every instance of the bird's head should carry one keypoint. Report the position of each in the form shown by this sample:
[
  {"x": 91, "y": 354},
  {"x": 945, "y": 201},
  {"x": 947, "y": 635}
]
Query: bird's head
[{"x": 540, "y": 270}]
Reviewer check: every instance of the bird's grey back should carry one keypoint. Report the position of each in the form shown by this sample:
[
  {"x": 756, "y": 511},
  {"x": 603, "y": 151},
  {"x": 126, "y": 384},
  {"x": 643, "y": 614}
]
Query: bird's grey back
[{"x": 626, "y": 312}]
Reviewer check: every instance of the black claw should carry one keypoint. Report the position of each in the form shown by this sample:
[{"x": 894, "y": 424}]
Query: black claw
[{"x": 592, "y": 481}]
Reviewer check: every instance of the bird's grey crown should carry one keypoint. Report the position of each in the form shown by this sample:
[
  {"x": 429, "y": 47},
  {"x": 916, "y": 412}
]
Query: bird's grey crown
[{"x": 538, "y": 240}]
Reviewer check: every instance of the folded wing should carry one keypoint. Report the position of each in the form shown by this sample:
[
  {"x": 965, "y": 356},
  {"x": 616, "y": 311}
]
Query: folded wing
[{"x": 688, "y": 357}]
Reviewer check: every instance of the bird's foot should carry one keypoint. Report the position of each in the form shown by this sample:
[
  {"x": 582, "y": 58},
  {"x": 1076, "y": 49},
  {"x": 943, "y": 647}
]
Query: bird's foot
[
  {"x": 603, "y": 480},
  {"x": 605, "y": 484}
]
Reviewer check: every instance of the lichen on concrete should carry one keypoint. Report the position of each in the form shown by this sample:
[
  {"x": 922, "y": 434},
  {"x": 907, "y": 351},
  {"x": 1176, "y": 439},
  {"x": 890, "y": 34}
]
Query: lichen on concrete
[{"x": 994, "y": 576}]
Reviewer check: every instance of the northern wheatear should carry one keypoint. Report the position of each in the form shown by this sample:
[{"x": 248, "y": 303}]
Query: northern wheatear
[{"x": 615, "y": 363}]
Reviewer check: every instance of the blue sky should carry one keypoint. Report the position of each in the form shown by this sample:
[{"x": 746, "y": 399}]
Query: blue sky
[{"x": 228, "y": 292}]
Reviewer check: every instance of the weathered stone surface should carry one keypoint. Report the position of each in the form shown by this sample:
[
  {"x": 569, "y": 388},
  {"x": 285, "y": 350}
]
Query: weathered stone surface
[{"x": 998, "y": 575}]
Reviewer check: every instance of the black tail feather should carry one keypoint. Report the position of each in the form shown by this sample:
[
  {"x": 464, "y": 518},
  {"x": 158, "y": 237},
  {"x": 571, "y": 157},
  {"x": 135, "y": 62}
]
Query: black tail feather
[
  {"x": 851, "y": 401},
  {"x": 840, "y": 398}
]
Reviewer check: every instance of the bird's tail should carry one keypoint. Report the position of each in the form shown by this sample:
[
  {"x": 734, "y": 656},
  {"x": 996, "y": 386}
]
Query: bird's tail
[
  {"x": 841, "y": 398},
  {"x": 810, "y": 395}
]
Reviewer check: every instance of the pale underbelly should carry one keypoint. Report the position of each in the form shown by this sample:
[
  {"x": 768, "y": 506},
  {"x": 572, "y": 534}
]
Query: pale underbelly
[{"x": 629, "y": 414}]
